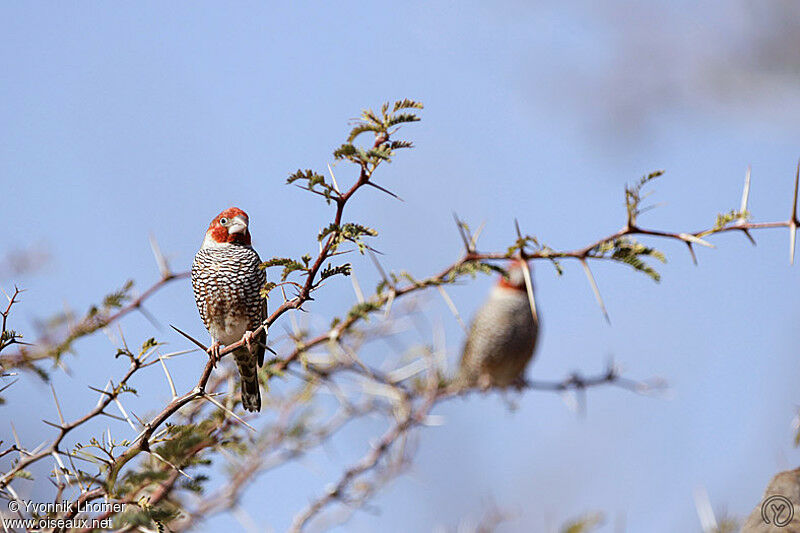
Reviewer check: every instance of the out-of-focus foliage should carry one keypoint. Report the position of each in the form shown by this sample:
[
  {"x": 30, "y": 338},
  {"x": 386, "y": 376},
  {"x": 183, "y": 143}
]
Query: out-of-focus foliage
[{"x": 584, "y": 524}]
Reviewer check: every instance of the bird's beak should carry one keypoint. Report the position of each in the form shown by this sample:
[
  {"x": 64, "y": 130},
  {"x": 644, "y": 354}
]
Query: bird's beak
[{"x": 238, "y": 225}]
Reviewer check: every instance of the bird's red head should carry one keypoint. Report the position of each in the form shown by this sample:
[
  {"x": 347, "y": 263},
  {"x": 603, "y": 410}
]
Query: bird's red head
[
  {"x": 516, "y": 276},
  {"x": 230, "y": 226}
]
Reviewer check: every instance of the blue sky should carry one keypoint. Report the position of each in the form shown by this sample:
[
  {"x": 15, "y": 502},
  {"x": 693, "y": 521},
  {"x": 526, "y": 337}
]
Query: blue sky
[{"x": 120, "y": 121}]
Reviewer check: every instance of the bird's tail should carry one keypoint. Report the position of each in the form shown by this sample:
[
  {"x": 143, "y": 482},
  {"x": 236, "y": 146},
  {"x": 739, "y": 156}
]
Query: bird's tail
[{"x": 251, "y": 394}]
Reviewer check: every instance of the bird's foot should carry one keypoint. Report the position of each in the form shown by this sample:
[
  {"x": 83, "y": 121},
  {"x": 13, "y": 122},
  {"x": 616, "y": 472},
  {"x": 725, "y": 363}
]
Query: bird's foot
[
  {"x": 520, "y": 383},
  {"x": 213, "y": 352},
  {"x": 248, "y": 341}
]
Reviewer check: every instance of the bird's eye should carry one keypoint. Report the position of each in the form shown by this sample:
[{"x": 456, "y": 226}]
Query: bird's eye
[{"x": 223, "y": 221}]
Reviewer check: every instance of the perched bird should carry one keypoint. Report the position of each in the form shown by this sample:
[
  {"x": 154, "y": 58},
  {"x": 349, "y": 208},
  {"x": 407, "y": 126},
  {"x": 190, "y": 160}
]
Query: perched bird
[
  {"x": 227, "y": 283},
  {"x": 502, "y": 336}
]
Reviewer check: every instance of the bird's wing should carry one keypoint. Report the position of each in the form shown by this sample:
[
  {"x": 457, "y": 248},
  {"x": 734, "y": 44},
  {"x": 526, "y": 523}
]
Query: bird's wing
[
  {"x": 262, "y": 314},
  {"x": 198, "y": 287},
  {"x": 262, "y": 337},
  {"x": 476, "y": 341}
]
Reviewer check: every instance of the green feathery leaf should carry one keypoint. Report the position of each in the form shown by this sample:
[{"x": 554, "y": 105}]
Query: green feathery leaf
[
  {"x": 634, "y": 197},
  {"x": 267, "y": 288},
  {"x": 330, "y": 270}
]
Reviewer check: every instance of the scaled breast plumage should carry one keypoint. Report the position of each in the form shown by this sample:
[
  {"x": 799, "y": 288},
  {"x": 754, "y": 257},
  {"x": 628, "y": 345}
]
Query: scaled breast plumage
[{"x": 226, "y": 283}]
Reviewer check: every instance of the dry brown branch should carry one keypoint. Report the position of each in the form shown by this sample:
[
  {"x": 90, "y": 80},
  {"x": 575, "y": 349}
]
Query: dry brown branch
[{"x": 405, "y": 394}]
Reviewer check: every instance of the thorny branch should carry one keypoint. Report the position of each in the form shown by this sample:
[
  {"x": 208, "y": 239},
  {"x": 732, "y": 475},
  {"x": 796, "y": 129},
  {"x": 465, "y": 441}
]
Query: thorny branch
[
  {"x": 417, "y": 416},
  {"x": 395, "y": 394},
  {"x": 95, "y": 320}
]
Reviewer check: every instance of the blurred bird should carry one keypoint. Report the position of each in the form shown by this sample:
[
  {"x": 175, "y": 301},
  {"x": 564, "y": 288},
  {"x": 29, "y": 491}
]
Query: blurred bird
[
  {"x": 502, "y": 336},
  {"x": 227, "y": 283}
]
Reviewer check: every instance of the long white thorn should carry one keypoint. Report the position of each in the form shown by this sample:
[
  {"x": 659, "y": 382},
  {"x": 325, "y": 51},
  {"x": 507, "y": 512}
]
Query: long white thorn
[
  {"x": 379, "y": 268},
  {"x": 403, "y": 373},
  {"x": 439, "y": 356},
  {"x": 234, "y": 415},
  {"x": 109, "y": 333},
  {"x": 16, "y": 439},
  {"x": 389, "y": 302},
  {"x": 357, "y": 288},
  {"x": 39, "y": 448},
  {"x": 474, "y": 240},
  {"x": 64, "y": 469},
  {"x": 169, "y": 377},
  {"x": 161, "y": 261},
  {"x": 743, "y": 206},
  {"x": 58, "y": 407},
  {"x": 125, "y": 414},
  {"x": 687, "y": 237},
  {"x": 176, "y": 354},
  {"x": 704, "y": 510},
  {"x": 149, "y": 353},
  {"x": 15, "y": 496},
  {"x": 794, "y": 200},
  {"x": 296, "y": 332},
  {"x": 103, "y": 395},
  {"x": 122, "y": 336},
  {"x": 453, "y": 308},
  {"x": 241, "y": 516},
  {"x": 793, "y": 217},
  {"x": 57, "y": 472},
  {"x": 157, "y": 456},
  {"x": 529, "y": 287},
  {"x": 77, "y": 475},
  {"x": 745, "y": 194},
  {"x": 596, "y": 291},
  {"x": 462, "y": 231},
  {"x": 335, "y": 185}
]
